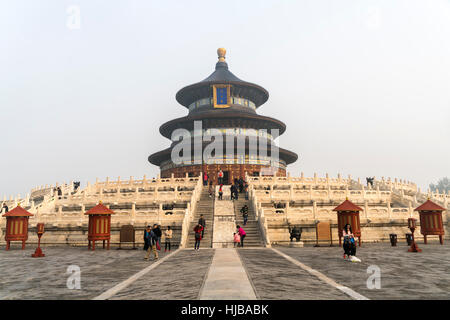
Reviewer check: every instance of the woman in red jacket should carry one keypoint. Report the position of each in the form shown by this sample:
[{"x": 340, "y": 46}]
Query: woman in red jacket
[{"x": 198, "y": 236}]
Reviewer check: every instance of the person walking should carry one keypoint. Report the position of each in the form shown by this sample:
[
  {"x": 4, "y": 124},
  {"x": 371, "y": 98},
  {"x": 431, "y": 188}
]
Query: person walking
[
  {"x": 220, "y": 176},
  {"x": 147, "y": 237},
  {"x": 237, "y": 239},
  {"x": 244, "y": 211},
  {"x": 241, "y": 184},
  {"x": 220, "y": 192},
  {"x": 202, "y": 222},
  {"x": 158, "y": 234},
  {"x": 349, "y": 245},
  {"x": 205, "y": 179},
  {"x": 152, "y": 239},
  {"x": 198, "y": 236},
  {"x": 168, "y": 236},
  {"x": 232, "y": 191},
  {"x": 242, "y": 234},
  {"x": 210, "y": 189}
]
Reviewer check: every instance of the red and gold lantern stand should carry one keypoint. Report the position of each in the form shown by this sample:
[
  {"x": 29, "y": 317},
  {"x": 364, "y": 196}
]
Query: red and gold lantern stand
[
  {"x": 431, "y": 220},
  {"x": 99, "y": 225},
  {"x": 17, "y": 226},
  {"x": 40, "y": 231},
  {"x": 412, "y": 227},
  {"x": 348, "y": 212}
]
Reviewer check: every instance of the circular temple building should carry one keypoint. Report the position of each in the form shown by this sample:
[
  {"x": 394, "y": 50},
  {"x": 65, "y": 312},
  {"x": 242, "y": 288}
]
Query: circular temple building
[{"x": 222, "y": 131}]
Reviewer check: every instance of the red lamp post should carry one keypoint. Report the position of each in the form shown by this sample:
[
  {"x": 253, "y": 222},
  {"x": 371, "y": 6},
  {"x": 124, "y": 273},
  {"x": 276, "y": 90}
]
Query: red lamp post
[
  {"x": 412, "y": 227},
  {"x": 40, "y": 231}
]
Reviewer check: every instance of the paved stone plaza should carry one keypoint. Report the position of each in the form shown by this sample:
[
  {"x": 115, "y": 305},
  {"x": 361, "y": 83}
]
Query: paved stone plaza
[{"x": 262, "y": 273}]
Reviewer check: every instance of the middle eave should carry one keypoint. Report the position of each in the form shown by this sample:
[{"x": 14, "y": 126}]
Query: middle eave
[{"x": 222, "y": 119}]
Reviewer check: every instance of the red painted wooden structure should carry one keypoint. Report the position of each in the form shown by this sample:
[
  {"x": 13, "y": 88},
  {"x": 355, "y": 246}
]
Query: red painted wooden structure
[
  {"x": 348, "y": 212},
  {"x": 99, "y": 225},
  {"x": 17, "y": 226},
  {"x": 431, "y": 220}
]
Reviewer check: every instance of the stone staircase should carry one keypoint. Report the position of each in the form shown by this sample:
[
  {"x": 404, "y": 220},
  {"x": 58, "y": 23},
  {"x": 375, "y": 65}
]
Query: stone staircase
[
  {"x": 205, "y": 206},
  {"x": 253, "y": 237}
]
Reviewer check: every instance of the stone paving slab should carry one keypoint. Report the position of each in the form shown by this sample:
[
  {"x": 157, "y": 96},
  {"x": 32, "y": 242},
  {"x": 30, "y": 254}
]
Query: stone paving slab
[
  {"x": 404, "y": 275},
  {"x": 227, "y": 278},
  {"x": 179, "y": 277},
  {"x": 276, "y": 278},
  {"x": 24, "y": 277}
]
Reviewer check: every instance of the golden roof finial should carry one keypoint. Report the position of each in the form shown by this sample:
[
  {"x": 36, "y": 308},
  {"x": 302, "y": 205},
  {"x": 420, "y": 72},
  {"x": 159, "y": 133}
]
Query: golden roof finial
[
  {"x": 346, "y": 198},
  {"x": 100, "y": 202},
  {"x": 221, "y": 52}
]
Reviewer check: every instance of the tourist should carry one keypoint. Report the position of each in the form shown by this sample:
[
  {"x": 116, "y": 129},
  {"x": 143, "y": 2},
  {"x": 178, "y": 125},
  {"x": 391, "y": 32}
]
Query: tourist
[
  {"x": 241, "y": 185},
  {"x": 168, "y": 237},
  {"x": 237, "y": 239},
  {"x": 205, "y": 179},
  {"x": 202, "y": 222},
  {"x": 198, "y": 236},
  {"x": 244, "y": 211},
  {"x": 246, "y": 190},
  {"x": 5, "y": 207},
  {"x": 220, "y": 192},
  {"x": 349, "y": 244},
  {"x": 242, "y": 234},
  {"x": 220, "y": 176},
  {"x": 232, "y": 189},
  {"x": 59, "y": 192},
  {"x": 146, "y": 237},
  {"x": 152, "y": 240},
  {"x": 158, "y": 234},
  {"x": 210, "y": 189}
]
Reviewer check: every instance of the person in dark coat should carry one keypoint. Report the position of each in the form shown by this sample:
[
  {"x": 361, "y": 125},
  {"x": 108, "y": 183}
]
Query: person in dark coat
[
  {"x": 202, "y": 222},
  {"x": 198, "y": 236},
  {"x": 241, "y": 185},
  {"x": 232, "y": 192},
  {"x": 147, "y": 237},
  {"x": 158, "y": 233},
  {"x": 5, "y": 207},
  {"x": 244, "y": 211}
]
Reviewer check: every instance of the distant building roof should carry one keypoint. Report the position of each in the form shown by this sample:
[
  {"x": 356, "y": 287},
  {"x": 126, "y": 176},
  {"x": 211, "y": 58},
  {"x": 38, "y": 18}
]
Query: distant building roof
[
  {"x": 18, "y": 212},
  {"x": 100, "y": 209},
  {"x": 429, "y": 206},
  {"x": 347, "y": 205}
]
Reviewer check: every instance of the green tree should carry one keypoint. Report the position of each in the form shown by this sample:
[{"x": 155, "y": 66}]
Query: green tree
[{"x": 443, "y": 185}]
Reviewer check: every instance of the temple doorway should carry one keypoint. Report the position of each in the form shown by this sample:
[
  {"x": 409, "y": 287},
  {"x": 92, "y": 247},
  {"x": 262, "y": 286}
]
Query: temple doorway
[{"x": 226, "y": 177}]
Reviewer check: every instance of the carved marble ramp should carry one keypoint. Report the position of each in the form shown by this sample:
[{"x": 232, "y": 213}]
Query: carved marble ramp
[{"x": 227, "y": 278}]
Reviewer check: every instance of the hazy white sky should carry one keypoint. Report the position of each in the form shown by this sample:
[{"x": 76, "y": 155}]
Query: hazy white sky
[{"x": 363, "y": 86}]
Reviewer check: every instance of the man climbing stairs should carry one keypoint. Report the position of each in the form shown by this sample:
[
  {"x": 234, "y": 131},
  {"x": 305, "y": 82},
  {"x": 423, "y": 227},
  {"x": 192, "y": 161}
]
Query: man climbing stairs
[
  {"x": 253, "y": 237},
  {"x": 205, "y": 207}
]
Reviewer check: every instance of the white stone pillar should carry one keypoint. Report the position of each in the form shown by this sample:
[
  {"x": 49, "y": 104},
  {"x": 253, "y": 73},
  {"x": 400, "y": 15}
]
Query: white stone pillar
[
  {"x": 133, "y": 212},
  {"x": 314, "y": 210},
  {"x": 366, "y": 208},
  {"x": 389, "y": 209}
]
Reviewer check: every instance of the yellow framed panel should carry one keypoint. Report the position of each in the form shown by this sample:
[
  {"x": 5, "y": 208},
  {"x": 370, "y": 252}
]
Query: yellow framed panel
[{"x": 216, "y": 103}]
